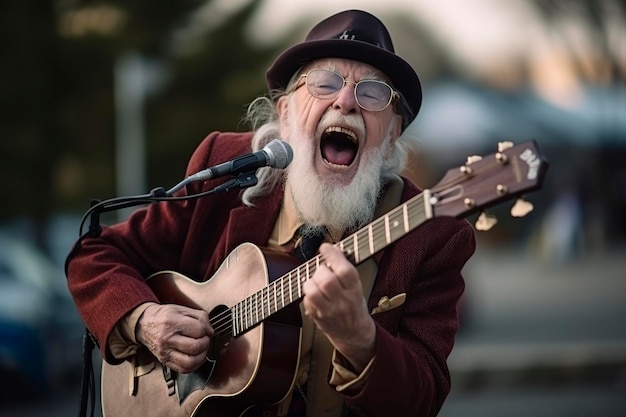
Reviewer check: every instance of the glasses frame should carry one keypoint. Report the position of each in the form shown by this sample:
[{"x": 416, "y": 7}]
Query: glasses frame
[{"x": 394, "y": 94}]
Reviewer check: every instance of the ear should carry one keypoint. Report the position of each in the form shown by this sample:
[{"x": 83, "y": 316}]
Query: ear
[{"x": 282, "y": 108}]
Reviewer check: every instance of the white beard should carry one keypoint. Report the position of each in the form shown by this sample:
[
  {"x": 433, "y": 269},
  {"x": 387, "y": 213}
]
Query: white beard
[{"x": 330, "y": 202}]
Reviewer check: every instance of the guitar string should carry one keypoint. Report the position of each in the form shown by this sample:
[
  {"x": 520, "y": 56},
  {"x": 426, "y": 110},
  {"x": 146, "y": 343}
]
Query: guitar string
[
  {"x": 464, "y": 177},
  {"x": 223, "y": 321}
]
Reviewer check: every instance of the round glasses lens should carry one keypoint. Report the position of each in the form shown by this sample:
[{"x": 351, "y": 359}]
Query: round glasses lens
[
  {"x": 373, "y": 95},
  {"x": 323, "y": 83}
]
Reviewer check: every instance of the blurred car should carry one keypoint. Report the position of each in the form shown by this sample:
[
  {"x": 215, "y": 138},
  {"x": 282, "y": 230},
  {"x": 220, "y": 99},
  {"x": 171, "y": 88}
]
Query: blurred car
[{"x": 40, "y": 330}]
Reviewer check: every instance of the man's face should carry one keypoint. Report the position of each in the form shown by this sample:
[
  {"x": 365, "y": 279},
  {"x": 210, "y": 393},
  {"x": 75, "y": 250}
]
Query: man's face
[
  {"x": 340, "y": 130},
  {"x": 339, "y": 150}
]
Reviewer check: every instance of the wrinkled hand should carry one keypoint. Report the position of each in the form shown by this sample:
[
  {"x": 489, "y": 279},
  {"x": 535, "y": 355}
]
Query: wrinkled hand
[
  {"x": 333, "y": 299},
  {"x": 178, "y": 336}
]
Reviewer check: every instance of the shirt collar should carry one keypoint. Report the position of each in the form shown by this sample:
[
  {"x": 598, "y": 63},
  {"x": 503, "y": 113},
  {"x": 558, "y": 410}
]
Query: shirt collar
[{"x": 288, "y": 223}]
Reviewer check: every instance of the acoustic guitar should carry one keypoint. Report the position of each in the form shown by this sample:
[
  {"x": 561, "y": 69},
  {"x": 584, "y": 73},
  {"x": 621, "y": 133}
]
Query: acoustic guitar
[{"x": 252, "y": 299}]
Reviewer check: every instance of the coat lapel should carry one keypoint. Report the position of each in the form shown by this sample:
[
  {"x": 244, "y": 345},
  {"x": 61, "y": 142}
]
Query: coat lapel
[{"x": 253, "y": 224}]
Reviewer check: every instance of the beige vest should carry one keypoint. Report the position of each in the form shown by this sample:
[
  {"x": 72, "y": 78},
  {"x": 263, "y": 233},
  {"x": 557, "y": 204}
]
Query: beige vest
[{"x": 322, "y": 399}]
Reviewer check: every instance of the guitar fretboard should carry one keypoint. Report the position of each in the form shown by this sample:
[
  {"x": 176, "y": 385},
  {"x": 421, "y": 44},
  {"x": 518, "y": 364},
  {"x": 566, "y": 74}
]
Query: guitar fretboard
[{"x": 357, "y": 247}]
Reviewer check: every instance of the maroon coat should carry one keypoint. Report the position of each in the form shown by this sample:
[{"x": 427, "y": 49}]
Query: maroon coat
[{"x": 409, "y": 376}]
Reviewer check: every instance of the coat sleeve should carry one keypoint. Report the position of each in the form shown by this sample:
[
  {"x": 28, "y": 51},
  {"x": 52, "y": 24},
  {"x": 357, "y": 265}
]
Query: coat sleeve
[
  {"x": 106, "y": 274},
  {"x": 409, "y": 375}
]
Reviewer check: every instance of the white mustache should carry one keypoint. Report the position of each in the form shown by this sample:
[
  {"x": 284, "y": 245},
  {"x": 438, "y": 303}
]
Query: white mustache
[{"x": 351, "y": 121}]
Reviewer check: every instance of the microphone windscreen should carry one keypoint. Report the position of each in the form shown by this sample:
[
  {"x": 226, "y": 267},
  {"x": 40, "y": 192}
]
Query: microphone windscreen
[{"x": 280, "y": 153}]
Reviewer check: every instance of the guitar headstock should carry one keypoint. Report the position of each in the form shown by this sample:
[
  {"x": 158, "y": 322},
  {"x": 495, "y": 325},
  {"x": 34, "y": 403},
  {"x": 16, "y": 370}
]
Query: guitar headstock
[{"x": 486, "y": 181}]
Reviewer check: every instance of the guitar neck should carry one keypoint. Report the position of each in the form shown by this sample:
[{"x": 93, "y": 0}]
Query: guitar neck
[
  {"x": 357, "y": 247},
  {"x": 387, "y": 229}
]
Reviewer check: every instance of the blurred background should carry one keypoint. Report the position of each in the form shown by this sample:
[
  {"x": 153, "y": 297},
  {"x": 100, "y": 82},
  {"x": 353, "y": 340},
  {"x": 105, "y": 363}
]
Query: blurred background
[{"x": 109, "y": 98}]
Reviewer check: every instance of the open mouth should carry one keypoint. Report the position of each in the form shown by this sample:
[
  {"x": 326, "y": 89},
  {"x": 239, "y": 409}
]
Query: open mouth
[{"x": 339, "y": 146}]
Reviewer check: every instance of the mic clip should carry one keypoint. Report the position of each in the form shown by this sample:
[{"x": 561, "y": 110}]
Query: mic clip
[{"x": 243, "y": 180}]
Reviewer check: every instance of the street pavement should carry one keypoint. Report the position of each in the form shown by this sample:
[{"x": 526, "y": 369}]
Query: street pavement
[{"x": 538, "y": 339}]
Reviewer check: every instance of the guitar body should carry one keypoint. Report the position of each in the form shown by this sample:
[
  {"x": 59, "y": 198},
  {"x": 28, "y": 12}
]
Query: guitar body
[{"x": 257, "y": 367}]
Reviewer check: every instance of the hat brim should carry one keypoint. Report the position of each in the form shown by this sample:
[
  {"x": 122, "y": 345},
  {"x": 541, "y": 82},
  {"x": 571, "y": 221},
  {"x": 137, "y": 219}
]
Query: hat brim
[{"x": 401, "y": 74}]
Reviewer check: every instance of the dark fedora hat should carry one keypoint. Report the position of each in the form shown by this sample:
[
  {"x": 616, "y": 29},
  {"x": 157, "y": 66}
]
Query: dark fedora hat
[{"x": 355, "y": 35}]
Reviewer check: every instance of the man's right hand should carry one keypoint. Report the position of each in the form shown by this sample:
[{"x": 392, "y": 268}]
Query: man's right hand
[{"x": 178, "y": 336}]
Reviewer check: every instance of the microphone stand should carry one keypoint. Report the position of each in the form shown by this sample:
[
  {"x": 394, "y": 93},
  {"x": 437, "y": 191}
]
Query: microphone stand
[{"x": 96, "y": 209}]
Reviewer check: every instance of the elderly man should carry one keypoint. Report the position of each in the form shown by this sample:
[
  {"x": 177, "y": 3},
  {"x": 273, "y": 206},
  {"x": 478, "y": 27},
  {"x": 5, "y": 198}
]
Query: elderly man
[{"x": 375, "y": 338}]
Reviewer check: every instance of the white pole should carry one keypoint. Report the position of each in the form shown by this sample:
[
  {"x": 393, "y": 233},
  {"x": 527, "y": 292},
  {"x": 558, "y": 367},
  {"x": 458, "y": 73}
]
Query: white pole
[{"x": 130, "y": 159}]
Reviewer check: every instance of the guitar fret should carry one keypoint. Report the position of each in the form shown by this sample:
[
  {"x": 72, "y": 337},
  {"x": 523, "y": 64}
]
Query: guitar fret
[
  {"x": 356, "y": 248},
  {"x": 258, "y": 304},
  {"x": 241, "y": 326},
  {"x": 387, "y": 231},
  {"x": 235, "y": 317},
  {"x": 428, "y": 210},
  {"x": 307, "y": 273},
  {"x": 275, "y": 300},
  {"x": 249, "y": 312},
  {"x": 282, "y": 293},
  {"x": 267, "y": 303},
  {"x": 263, "y": 298},
  {"x": 238, "y": 318},
  {"x": 370, "y": 238},
  {"x": 293, "y": 275},
  {"x": 241, "y": 318},
  {"x": 245, "y": 313},
  {"x": 405, "y": 214},
  {"x": 299, "y": 285},
  {"x": 242, "y": 315},
  {"x": 255, "y": 306},
  {"x": 266, "y": 300}
]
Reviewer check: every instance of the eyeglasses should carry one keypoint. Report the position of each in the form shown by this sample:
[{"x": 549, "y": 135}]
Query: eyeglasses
[{"x": 372, "y": 95}]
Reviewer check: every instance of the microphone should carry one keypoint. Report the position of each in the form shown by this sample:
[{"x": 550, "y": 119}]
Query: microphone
[{"x": 276, "y": 154}]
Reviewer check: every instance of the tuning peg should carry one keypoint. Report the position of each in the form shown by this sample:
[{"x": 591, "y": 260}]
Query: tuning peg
[
  {"x": 521, "y": 208},
  {"x": 503, "y": 146},
  {"x": 485, "y": 221},
  {"x": 473, "y": 158}
]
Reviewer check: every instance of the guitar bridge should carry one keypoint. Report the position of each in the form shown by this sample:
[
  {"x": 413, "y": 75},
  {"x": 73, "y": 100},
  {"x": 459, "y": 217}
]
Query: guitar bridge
[
  {"x": 169, "y": 381},
  {"x": 182, "y": 385}
]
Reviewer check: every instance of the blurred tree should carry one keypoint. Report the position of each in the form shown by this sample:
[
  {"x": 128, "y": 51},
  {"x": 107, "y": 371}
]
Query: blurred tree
[
  {"x": 601, "y": 24},
  {"x": 57, "y": 116},
  {"x": 32, "y": 77},
  {"x": 209, "y": 90}
]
